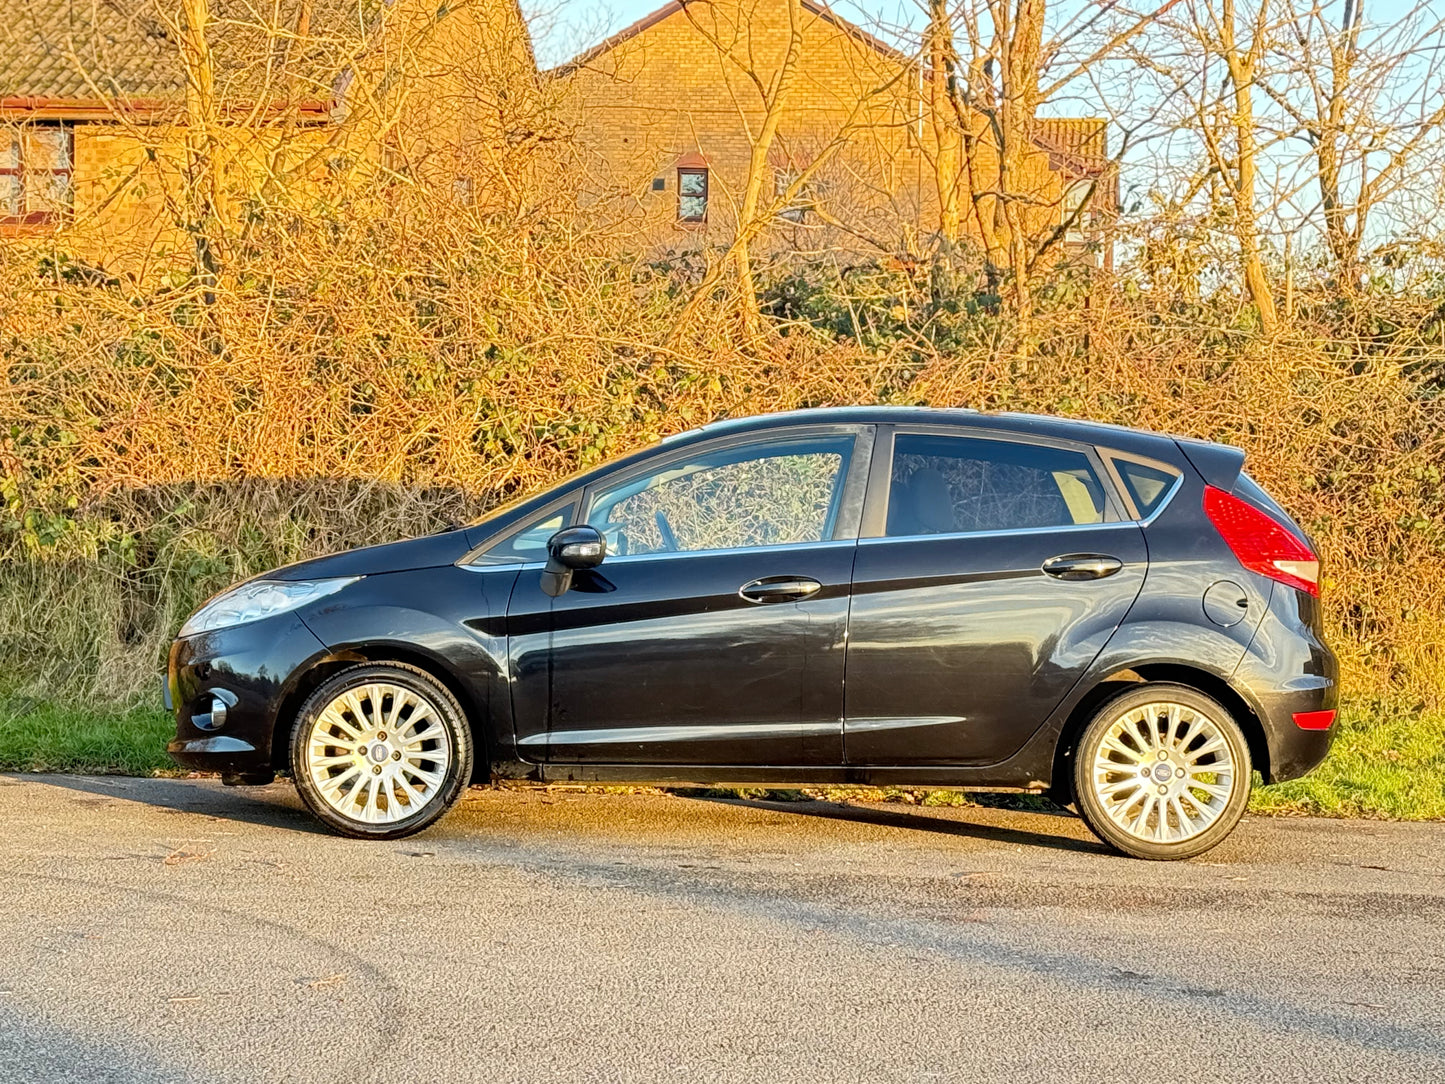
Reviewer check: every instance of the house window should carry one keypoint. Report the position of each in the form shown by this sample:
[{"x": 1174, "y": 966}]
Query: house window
[
  {"x": 692, "y": 195},
  {"x": 36, "y": 162},
  {"x": 797, "y": 208},
  {"x": 1076, "y": 213}
]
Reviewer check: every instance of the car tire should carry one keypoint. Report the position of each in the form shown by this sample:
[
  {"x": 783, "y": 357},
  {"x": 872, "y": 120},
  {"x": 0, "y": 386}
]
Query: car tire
[
  {"x": 1162, "y": 772},
  {"x": 381, "y": 751}
]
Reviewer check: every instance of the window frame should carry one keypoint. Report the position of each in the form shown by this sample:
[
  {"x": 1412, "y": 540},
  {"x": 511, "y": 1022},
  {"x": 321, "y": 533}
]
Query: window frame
[
  {"x": 1083, "y": 228},
  {"x": 875, "y": 510},
  {"x": 849, "y": 496},
  {"x": 1111, "y": 460},
  {"x": 795, "y": 213},
  {"x": 20, "y": 171},
  {"x": 703, "y": 172},
  {"x": 481, "y": 556}
]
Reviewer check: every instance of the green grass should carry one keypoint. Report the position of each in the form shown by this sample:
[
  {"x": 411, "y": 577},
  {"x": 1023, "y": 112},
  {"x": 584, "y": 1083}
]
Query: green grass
[
  {"x": 46, "y": 737},
  {"x": 1387, "y": 762}
]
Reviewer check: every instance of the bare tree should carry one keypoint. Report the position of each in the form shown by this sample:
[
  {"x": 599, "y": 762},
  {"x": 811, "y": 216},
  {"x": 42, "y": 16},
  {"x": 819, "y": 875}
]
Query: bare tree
[
  {"x": 762, "y": 120},
  {"x": 207, "y": 203},
  {"x": 986, "y": 100},
  {"x": 1368, "y": 101}
]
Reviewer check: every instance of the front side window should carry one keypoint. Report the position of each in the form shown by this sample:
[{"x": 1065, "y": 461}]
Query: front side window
[
  {"x": 529, "y": 541},
  {"x": 35, "y": 173},
  {"x": 692, "y": 195},
  {"x": 774, "y": 494},
  {"x": 950, "y": 485}
]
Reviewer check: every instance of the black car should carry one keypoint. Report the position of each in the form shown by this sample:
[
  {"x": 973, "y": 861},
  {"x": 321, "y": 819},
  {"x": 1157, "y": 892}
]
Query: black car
[{"x": 881, "y": 596}]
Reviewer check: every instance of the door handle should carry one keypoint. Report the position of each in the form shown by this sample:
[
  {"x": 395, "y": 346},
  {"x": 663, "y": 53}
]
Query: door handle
[
  {"x": 780, "y": 589},
  {"x": 1082, "y": 566}
]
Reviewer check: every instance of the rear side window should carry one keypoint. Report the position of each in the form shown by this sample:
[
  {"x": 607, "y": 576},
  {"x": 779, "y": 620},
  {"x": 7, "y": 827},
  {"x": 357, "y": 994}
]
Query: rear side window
[
  {"x": 949, "y": 485},
  {"x": 1148, "y": 486}
]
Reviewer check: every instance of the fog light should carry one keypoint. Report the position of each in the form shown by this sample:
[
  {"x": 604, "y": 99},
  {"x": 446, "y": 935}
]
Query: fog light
[{"x": 213, "y": 719}]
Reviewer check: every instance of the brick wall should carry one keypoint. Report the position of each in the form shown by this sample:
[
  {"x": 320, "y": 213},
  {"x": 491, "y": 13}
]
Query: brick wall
[
  {"x": 441, "y": 94},
  {"x": 678, "y": 91}
]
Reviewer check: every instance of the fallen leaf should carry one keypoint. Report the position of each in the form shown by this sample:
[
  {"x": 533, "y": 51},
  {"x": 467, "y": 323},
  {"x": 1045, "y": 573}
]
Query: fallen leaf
[
  {"x": 322, "y": 983},
  {"x": 180, "y": 854}
]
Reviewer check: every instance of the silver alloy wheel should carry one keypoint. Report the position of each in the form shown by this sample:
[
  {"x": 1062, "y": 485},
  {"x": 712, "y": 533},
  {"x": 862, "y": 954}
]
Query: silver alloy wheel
[
  {"x": 378, "y": 753},
  {"x": 1163, "y": 772}
]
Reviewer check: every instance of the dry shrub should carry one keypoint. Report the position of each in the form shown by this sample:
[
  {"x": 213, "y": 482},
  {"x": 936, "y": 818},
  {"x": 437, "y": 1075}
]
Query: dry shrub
[{"x": 376, "y": 374}]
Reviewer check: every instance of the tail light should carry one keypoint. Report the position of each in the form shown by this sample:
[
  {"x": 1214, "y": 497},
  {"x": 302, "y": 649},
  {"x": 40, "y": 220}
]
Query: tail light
[
  {"x": 1314, "y": 720},
  {"x": 1262, "y": 543}
]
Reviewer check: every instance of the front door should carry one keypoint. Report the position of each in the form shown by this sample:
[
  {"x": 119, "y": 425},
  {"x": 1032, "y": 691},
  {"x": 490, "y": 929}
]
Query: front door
[
  {"x": 714, "y": 631},
  {"x": 997, "y": 573}
]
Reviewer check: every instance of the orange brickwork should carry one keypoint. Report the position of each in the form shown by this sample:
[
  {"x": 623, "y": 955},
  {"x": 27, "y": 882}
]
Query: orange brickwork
[
  {"x": 678, "y": 90},
  {"x": 426, "y": 90}
]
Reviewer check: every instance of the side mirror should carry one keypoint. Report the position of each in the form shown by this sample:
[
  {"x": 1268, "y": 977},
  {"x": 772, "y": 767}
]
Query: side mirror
[{"x": 570, "y": 550}]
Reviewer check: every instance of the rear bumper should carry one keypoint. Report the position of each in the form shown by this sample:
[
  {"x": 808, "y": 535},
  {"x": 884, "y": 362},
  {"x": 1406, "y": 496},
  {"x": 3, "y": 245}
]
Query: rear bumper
[
  {"x": 1289, "y": 670},
  {"x": 250, "y": 669}
]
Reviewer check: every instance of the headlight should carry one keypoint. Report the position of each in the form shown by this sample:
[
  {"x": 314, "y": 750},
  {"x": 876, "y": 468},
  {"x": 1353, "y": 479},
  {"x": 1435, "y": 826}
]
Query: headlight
[{"x": 257, "y": 599}]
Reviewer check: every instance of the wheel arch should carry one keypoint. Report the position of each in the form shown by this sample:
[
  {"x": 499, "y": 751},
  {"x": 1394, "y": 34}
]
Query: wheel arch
[
  {"x": 379, "y": 652},
  {"x": 1122, "y": 680}
]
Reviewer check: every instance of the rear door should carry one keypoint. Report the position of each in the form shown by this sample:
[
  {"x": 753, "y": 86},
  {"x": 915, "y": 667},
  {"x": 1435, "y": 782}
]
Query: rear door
[{"x": 991, "y": 571}]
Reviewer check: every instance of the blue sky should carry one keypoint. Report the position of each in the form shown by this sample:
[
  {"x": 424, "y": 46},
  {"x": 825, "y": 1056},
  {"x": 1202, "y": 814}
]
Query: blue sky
[{"x": 563, "y": 28}]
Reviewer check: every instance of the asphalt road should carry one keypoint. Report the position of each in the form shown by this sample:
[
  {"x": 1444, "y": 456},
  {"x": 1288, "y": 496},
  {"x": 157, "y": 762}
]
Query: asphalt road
[{"x": 173, "y": 930}]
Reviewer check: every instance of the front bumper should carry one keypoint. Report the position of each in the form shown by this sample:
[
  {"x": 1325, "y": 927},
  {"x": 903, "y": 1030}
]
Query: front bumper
[{"x": 251, "y": 669}]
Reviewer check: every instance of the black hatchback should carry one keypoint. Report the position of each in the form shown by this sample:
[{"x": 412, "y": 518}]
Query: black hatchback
[{"x": 880, "y": 596}]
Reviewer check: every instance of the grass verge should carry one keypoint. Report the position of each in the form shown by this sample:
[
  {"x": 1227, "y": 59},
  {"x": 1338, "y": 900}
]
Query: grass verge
[
  {"x": 1387, "y": 762},
  {"x": 48, "y": 737}
]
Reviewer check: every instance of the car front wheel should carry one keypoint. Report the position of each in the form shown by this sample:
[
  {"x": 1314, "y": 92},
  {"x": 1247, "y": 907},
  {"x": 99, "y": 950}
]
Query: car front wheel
[
  {"x": 1162, "y": 772},
  {"x": 380, "y": 751}
]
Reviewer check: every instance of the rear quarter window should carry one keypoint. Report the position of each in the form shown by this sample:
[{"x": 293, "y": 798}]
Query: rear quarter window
[{"x": 1149, "y": 485}]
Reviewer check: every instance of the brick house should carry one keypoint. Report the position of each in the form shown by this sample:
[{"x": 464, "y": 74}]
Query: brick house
[
  {"x": 665, "y": 109},
  {"x": 100, "y": 100}
]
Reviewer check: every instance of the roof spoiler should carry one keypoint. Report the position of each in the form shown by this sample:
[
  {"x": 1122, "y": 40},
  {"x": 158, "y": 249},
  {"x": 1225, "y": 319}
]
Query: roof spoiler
[{"x": 1218, "y": 464}]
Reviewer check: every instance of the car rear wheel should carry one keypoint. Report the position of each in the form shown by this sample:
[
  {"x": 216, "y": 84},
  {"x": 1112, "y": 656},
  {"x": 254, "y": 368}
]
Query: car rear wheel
[
  {"x": 380, "y": 751},
  {"x": 1162, "y": 772}
]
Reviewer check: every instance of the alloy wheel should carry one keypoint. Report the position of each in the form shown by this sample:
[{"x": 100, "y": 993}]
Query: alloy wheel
[
  {"x": 378, "y": 753},
  {"x": 1163, "y": 772}
]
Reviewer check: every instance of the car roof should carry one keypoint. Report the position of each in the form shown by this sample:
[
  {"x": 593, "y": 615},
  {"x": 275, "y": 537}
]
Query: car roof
[{"x": 1121, "y": 438}]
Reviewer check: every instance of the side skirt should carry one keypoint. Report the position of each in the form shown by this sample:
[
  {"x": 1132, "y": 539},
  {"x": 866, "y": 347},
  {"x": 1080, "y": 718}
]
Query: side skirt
[{"x": 992, "y": 776}]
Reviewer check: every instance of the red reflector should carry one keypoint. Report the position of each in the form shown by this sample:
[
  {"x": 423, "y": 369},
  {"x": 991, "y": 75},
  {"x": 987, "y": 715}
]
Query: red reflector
[
  {"x": 1314, "y": 720},
  {"x": 1261, "y": 543}
]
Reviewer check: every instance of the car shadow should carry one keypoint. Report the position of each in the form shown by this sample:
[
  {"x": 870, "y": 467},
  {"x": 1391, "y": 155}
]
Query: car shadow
[
  {"x": 249, "y": 805},
  {"x": 917, "y": 822}
]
